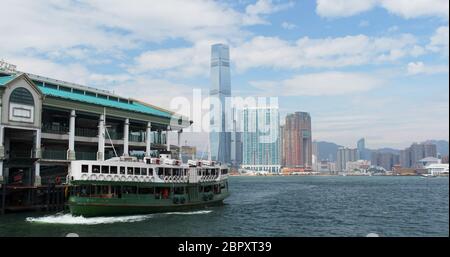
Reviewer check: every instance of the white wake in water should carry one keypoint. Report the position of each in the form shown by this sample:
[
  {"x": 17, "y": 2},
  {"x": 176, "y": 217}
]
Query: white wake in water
[
  {"x": 68, "y": 219},
  {"x": 188, "y": 213}
]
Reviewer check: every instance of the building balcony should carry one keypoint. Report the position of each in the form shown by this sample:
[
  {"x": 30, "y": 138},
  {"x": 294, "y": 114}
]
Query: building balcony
[
  {"x": 86, "y": 132},
  {"x": 136, "y": 138},
  {"x": 54, "y": 154},
  {"x": 86, "y": 155},
  {"x": 54, "y": 128}
]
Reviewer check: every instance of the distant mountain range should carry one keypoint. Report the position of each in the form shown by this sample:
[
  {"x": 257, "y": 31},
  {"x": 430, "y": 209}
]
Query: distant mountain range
[{"x": 328, "y": 150}]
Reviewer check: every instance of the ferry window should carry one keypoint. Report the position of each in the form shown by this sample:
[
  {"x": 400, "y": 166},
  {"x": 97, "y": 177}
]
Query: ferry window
[
  {"x": 113, "y": 170},
  {"x": 105, "y": 169},
  {"x": 145, "y": 190},
  {"x": 129, "y": 171},
  {"x": 150, "y": 171},
  {"x": 144, "y": 171},
  {"x": 122, "y": 170},
  {"x": 199, "y": 172},
  {"x": 160, "y": 171},
  {"x": 95, "y": 168},
  {"x": 175, "y": 172},
  {"x": 137, "y": 171},
  {"x": 84, "y": 168},
  {"x": 129, "y": 190}
]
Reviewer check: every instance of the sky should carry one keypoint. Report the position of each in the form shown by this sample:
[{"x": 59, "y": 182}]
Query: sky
[{"x": 377, "y": 69}]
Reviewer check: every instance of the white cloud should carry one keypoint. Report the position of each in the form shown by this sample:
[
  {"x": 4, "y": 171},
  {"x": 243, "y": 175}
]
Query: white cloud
[
  {"x": 65, "y": 27},
  {"x": 405, "y": 8},
  {"x": 255, "y": 12},
  {"x": 439, "y": 42},
  {"x": 288, "y": 25},
  {"x": 343, "y": 8},
  {"x": 175, "y": 62},
  {"x": 322, "y": 53},
  {"x": 319, "y": 84},
  {"x": 417, "y": 8},
  {"x": 415, "y": 68}
]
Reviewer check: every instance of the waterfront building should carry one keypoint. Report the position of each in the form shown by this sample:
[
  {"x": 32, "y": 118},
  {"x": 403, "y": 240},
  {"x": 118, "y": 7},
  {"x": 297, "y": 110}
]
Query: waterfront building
[
  {"x": 298, "y": 140},
  {"x": 46, "y": 123},
  {"x": 385, "y": 160},
  {"x": 410, "y": 156},
  {"x": 426, "y": 162},
  {"x": 261, "y": 139},
  {"x": 359, "y": 166},
  {"x": 315, "y": 156},
  {"x": 437, "y": 169},
  {"x": 219, "y": 136},
  {"x": 236, "y": 142},
  {"x": 345, "y": 155},
  {"x": 281, "y": 151},
  {"x": 327, "y": 167}
]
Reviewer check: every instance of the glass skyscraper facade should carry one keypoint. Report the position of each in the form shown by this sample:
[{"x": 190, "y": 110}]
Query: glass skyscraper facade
[
  {"x": 220, "y": 137},
  {"x": 261, "y": 139}
]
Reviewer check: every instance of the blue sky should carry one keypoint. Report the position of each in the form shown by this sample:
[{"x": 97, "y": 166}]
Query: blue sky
[{"x": 362, "y": 68}]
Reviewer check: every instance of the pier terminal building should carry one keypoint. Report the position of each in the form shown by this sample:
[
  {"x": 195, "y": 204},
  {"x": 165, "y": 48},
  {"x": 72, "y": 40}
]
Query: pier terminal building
[{"x": 46, "y": 123}]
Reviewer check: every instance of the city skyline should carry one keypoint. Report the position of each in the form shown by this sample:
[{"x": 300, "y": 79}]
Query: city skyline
[{"x": 388, "y": 62}]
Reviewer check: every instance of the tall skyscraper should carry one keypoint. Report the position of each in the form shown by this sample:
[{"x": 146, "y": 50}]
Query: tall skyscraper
[
  {"x": 345, "y": 155},
  {"x": 361, "y": 146},
  {"x": 298, "y": 140},
  {"x": 261, "y": 139},
  {"x": 220, "y": 138}
]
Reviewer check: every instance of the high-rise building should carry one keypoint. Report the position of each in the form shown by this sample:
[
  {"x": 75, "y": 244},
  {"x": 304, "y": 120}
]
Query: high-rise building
[
  {"x": 236, "y": 143},
  {"x": 411, "y": 155},
  {"x": 219, "y": 137},
  {"x": 315, "y": 156},
  {"x": 298, "y": 140},
  {"x": 261, "y": 139},
  {"x": 361, "y": 146},
  {"x": 281, "y": 151},
  {"x": 345, "y": 155},
  {"x": 385, "y": 160}
]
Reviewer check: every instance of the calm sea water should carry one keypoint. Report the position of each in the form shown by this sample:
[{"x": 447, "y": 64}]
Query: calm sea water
[{"x": 277, "y": 206}]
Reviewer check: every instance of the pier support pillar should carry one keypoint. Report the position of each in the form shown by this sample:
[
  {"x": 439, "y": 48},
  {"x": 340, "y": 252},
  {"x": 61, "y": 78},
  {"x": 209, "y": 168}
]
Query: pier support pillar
[
  {"x": 148, "y": 139},
  {"x": 179, "y": 144},
  {"x": 71, "y": 151},
  {"x": 168, "y": 138},
  {"x": 2, "y": 153},
  {"x": 37, "y": 156},
  {"x": 101, "y": 139},
  {"x": 37, "y": 173},
  {"x": 126, "y": 133}
]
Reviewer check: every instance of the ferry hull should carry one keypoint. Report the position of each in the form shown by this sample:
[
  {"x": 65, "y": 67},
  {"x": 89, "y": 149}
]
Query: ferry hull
[{"x": 79, "y": 207}]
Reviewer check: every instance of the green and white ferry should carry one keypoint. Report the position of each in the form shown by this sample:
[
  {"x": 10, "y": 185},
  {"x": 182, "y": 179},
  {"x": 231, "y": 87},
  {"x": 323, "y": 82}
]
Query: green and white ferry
[{"x": 127, "y": 186}]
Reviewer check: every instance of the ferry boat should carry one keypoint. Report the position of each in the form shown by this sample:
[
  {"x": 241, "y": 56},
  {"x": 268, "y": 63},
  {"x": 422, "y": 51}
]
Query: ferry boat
[{"x": 126, "y": 186}]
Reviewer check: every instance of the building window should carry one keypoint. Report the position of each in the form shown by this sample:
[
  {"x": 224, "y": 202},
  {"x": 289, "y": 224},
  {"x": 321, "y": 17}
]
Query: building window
[{"x": 21, "y": 96}]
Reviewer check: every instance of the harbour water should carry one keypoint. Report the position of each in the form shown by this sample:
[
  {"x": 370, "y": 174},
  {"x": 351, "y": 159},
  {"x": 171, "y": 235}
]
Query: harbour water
[{"x": 276, "y": 206}]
